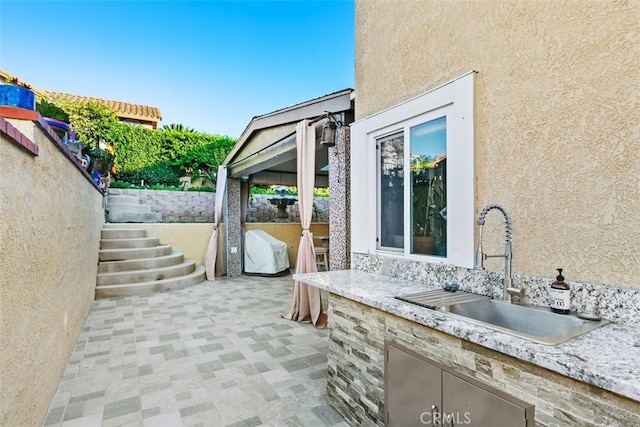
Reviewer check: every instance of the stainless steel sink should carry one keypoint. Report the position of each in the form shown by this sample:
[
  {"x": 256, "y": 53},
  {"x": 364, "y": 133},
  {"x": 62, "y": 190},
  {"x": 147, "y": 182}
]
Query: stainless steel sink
[{"x": 537, "y": 324}]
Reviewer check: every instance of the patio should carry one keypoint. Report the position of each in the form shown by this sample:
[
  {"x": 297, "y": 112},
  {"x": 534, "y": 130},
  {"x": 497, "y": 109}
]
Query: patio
[{"x": 214, "y": 354}]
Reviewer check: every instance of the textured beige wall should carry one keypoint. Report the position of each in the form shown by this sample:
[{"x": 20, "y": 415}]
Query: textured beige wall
[
  {"x": 557, "y": 116},
  {"x": 49, "y": 239},
  {"x": 289, "y": 233},
  {"x": 192, "y": 239}
]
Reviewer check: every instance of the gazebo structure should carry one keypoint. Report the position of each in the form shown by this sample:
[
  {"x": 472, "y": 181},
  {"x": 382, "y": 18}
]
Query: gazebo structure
[{"x": 266, "y": 154}]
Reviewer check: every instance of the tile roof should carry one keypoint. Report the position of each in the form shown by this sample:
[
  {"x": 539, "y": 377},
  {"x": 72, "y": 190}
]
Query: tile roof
[{"x": 122, "y": 109}]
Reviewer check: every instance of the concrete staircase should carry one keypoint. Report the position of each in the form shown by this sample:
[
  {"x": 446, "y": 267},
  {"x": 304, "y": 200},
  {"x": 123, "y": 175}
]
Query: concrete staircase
[
  {"x": 123, "y": 208},
  {"x": 130, "y": 263}
]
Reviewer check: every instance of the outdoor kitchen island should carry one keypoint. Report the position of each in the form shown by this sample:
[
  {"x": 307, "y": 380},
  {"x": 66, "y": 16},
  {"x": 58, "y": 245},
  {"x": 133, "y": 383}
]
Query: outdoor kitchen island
[{"x": 590, "y": 380}]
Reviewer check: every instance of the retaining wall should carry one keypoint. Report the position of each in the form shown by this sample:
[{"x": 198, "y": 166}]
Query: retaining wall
[
  {"x": 195, "y": 206},
  {"x": 50, "y": 236}
]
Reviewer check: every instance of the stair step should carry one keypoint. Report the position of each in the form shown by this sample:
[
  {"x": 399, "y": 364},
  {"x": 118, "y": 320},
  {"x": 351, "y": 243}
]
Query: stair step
[
  {"x": 144, "y": 242},
  {"x": 108, "y": 291},
  {"x": 135, "y": 253},
  {"x": 137, "y": 276},
  {"x": 127, "y": 207},
  {"x": 123, "y": 233},
  {"x": 134, "y": 217},
  {"x": 140, "y": 264},
  {"x": 114, "y": 199}
]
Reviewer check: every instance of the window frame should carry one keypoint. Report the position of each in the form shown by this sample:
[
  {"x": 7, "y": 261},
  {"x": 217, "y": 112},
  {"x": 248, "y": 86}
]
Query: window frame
[
  {"x": 408, "y": 223},
  {"x": 455, "y": 100},
  {"x": 376, "y": 138}
]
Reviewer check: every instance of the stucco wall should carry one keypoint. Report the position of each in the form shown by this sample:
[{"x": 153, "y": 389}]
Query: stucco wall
[
  {"x": 49, "y": 240},
  {"x": 192, "y": 239},
  {"x": 189, "y": 238},
  {"x": 557, "y": 123},
  {"x": 289, "y": 233}
]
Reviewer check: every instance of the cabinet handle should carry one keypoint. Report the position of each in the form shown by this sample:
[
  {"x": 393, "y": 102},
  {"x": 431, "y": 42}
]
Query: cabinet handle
[
  {"x": 435, "y": 415},
  {"x": 449, "y": 420}
]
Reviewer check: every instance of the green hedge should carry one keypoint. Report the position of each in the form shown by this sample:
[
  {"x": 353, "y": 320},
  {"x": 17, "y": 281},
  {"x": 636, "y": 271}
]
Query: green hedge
[
  {"x": 51, "y": 110},
  {"x": 205, "y": 188},
  {"x": 136, "y": 154},
  {"x": 163, "y": 173}
]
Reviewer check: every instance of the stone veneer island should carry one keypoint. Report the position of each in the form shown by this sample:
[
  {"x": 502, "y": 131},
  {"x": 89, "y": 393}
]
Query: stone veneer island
[{"x": 590, "y": 380}]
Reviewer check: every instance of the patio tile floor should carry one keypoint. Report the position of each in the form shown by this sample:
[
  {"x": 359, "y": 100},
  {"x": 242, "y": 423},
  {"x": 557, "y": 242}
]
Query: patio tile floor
[{"x": 213, "y": 354}]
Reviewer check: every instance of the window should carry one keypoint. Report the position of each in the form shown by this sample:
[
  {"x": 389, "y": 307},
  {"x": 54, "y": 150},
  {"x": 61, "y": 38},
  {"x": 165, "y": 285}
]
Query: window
[
  {"x": 391, "y": 191},
  {"x": 428, "y": 199},
  {"x": 420, "y": 157}
]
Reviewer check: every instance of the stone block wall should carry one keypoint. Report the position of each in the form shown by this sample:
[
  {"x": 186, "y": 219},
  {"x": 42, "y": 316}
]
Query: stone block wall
[
  {"x": 196, "y": 206},
  {"x": 261, "y": 210},
  {"x": 175, "y": 206},
  {"x": 355, "y": 384}
]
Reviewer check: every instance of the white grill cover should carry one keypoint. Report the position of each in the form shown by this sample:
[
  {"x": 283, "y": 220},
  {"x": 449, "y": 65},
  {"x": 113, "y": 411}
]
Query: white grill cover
[{"x": 263, "y": 253}]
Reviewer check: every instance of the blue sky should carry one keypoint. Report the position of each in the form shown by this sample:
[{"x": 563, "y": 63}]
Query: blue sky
[{"x": 210, "y": 65}]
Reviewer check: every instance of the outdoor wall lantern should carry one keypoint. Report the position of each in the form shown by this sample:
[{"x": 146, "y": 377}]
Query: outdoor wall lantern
[
  {"x": 328, "y": 138},
  {"x": 329, "y": 128}
]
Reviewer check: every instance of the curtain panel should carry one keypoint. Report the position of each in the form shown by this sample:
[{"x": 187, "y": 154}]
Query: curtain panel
[
  {"x": 212, "y": 250},
  {"x": 306, "y": 305}
]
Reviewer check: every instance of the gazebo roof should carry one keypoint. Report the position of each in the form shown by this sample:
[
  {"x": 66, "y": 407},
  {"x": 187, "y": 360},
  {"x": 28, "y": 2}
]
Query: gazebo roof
[{"x": 266, "y": 150}]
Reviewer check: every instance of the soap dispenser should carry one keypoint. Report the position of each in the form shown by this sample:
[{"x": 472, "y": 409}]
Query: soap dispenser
[{"x": 560, "y": 295}]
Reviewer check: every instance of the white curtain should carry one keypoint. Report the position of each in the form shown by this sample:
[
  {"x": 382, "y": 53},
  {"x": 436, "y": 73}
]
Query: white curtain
[
  {"x": 306, "y": 305},
  {"x": 212, "y": 250},
  {"x": 244, "y": 204}
]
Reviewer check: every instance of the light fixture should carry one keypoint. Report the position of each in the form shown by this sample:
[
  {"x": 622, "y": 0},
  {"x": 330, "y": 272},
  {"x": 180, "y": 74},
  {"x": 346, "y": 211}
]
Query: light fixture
[{"x": 328, "y": 138}]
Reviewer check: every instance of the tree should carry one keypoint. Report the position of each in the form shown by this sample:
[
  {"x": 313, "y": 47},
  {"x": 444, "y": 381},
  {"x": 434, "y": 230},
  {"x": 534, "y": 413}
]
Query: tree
[
  {"x": 93, "y": 122},
  {"x": 136, "y": 153},
  {"x": 177, "y": 127}
]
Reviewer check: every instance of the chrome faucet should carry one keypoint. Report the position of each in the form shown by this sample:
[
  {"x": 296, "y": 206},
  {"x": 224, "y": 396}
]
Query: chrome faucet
[{"x": 509, "y": 289}]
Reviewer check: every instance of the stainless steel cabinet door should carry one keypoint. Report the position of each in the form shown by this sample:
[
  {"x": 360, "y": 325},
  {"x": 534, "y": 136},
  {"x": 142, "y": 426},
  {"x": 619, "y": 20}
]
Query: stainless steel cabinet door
[
  {"x": 413, "y": 390},
  {"x": 467, "y": 404}
]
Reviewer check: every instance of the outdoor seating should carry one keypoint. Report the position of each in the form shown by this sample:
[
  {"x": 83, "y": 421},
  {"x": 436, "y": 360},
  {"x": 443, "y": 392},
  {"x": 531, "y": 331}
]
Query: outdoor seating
[
  {"x": 322, "y": 257},
  {"x": 264, "y": 254}
]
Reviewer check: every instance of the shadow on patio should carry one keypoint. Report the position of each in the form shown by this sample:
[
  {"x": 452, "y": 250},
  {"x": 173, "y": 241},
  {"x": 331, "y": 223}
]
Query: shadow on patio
[{"x": 214, "y": 354}]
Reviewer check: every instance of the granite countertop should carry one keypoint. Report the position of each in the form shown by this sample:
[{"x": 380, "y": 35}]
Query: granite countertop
[{"x": 606, "y": 357}]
